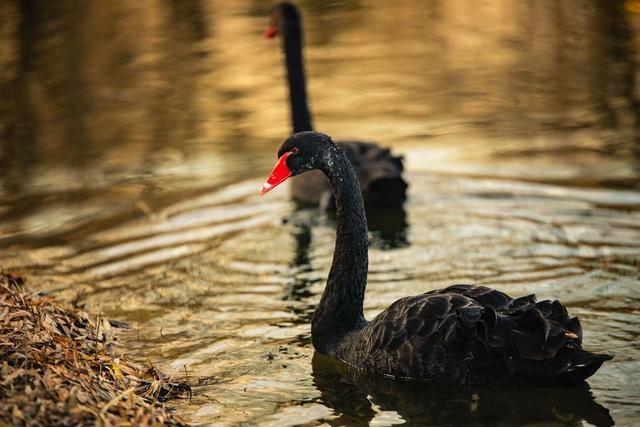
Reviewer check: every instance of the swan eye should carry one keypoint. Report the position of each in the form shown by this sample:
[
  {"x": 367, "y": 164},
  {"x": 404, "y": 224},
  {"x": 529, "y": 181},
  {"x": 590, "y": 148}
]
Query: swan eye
[{"x": 294, "y": 150}]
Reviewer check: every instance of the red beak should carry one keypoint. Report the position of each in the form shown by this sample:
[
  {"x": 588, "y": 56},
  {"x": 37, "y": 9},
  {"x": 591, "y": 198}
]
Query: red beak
[
  {"x": 278, "y": 175},
  {"x": 271, "y": 32}
]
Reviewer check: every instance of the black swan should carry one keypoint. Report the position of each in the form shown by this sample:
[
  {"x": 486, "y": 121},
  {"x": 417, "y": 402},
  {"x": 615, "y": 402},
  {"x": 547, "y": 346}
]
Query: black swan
[
  {"x": 379, "y": 172},
  {"x": 462, "y": 335}
]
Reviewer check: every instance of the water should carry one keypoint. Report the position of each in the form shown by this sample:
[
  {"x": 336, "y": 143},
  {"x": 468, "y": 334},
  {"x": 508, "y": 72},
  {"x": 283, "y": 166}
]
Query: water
[{"x": 135, "y": 138}]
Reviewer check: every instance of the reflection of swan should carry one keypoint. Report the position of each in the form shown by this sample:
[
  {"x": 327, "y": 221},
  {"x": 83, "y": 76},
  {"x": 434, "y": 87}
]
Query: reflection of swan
[
  {"x": 356, "y": 399},
  {"x": 388, "y": 229},
  {"x": 303, "y": 221}
]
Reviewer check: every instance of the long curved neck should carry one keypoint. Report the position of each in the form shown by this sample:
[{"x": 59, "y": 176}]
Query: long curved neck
[
  {"x": 341, "y": 307},
  {"x": 300, "y": 115}
]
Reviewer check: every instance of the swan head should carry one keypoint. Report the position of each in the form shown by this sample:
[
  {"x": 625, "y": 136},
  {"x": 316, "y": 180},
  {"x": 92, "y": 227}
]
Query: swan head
[
  {"x": 301, "y": 152},
  {"x": 284, "y": 16}
]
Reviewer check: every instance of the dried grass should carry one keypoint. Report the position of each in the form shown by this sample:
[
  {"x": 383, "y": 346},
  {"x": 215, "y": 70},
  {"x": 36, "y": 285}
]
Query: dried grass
[{"x": 58, "y": 367}]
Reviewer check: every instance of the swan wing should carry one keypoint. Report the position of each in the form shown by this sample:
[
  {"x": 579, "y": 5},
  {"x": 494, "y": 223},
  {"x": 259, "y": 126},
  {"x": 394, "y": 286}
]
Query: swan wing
[{"x": 475, "y": 335}]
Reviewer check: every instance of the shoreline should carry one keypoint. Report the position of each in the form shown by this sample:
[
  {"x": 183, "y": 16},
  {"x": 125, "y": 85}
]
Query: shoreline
[{"x": 59, "y": 365}]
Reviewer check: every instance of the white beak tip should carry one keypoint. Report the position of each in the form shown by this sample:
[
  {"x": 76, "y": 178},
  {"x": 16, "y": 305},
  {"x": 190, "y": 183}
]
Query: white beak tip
[{"x": 265, "y": 187}]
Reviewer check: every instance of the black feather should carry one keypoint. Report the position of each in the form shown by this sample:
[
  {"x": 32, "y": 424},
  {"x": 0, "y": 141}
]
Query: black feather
[{"x": 450, "y": 333}]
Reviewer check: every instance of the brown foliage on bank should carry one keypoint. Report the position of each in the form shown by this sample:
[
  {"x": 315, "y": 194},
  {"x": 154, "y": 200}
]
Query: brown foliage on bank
[{"x": 59, "y": 367}]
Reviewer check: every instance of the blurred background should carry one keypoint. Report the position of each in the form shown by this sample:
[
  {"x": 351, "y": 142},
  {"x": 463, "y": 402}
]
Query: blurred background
[{"x": 134, "y": 136}]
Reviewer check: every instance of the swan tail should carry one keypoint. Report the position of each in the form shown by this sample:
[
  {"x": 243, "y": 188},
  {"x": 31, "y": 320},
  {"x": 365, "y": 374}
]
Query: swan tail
[
  {"x": 540, "y": 342},
  {"x": 582, "y": 364}
]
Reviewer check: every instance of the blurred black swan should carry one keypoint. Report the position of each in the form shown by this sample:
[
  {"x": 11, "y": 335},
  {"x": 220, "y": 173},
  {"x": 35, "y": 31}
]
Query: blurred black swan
[
  {"x": 378, "y": 170},
  {"x": 460, "y": 335}
]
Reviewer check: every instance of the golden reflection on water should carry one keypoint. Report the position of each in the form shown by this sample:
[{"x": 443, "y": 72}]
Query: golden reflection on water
[{"x": 134, "y": 135}]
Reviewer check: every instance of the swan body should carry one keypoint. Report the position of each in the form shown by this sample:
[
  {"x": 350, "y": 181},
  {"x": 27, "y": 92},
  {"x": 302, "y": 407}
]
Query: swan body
[
  {"x": 472, "y": 335},
  {"x": 462, "y": 335}
]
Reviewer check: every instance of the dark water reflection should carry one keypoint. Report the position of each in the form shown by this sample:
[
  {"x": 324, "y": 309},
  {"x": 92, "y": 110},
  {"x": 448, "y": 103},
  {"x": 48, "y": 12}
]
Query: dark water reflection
[
  {"x": 134, "y": 135},
  {"x": 366, "y": 401}
]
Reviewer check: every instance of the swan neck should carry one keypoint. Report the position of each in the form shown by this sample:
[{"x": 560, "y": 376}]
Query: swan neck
[
  {"x": 300, "y": 114},
  {"x": 341, "y": 307}
]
